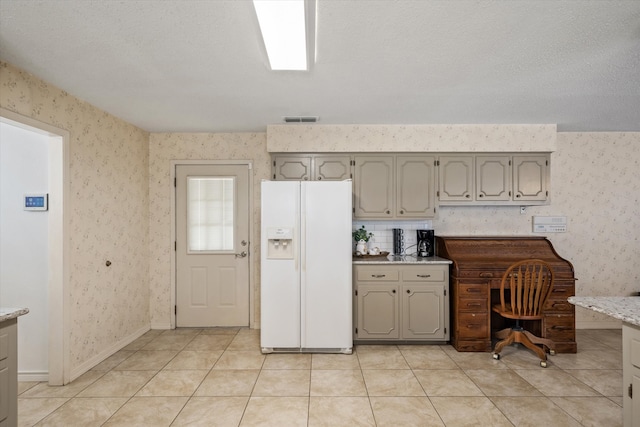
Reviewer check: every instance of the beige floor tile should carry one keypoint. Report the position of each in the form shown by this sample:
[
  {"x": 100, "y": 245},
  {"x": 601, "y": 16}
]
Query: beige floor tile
[
  {"x": 70, "y": 390},
  {"x": 335, "y": 361},
  {"x": 245, "y": 341},
  {"x": 452, "y": 382},
  {"x": 519, "y": 357},
  {"x": 144, "y": 360},
  {"x": 502, "y": 383},
  {"x": 182, "y": 331},
  {"x": 281, "y": 382},
  {"x": 340, "y": 411},
  {"x": 589, "y": 359},
  {"x": 173, "y": 383},
  {"x": 404, "y": 411},
  {"x": 212, "y": 412},
  {"x": 616, "y": 399},
  {"x": 591, "y": 411},
  {"x": 474, "y": 360},
  {"x": 388, "y": 382},
  {"x": 554, "y": 382},
  {"x": 187, "y": 359},
  {"x": 427, "y": 357},
  {"x": 139, "y": 343},
  {"x": 240, "y": 360},
  {"x": 26, "y": 385},
  {"x": 339, "y": 382},
  {"x": 469, "y": 411},
  {"x": 276, "y": 411},
  {"x": 32, "y": 410},
  {"x": 381, "y": 357},
  {"x": 235, "y": 382},
  {"x": 112, "y": 361},
  {"x": 118, "y": 384},
  {"x": 169, "y": 342},
  {"x": 83, "y": 412},
  {"x": 606, "y": 382},
  {"x": 534, "y": 412},
  {"x": 148, "y": 411},
  {"x": 209, "y": 342},
  {"x": 609, "y": 337},
  {"x": 287, "y": 361},
  {"x": 220, "y": 331}
]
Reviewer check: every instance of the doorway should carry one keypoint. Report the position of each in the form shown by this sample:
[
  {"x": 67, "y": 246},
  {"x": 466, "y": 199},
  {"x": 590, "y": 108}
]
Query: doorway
[
  {"x": 212, "y": 245},
  {"x": 57, "y": 247}
]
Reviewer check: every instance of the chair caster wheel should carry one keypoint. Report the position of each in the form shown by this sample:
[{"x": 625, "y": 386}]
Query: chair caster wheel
[
  {"x": 543, "y": 363},
  {"x": 496, "y": 356},
  {"x": 552, "y": 352}
]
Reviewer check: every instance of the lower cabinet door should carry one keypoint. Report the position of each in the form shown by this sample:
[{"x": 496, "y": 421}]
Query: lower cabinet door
[
  {"x": 377, "y": 308},
  {"x": 423, "y": 312}
]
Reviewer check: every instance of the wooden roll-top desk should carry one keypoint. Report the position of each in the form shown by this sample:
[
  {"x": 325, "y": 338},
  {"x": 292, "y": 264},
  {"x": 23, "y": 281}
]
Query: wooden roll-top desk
[{"x": 475, "y": 275}]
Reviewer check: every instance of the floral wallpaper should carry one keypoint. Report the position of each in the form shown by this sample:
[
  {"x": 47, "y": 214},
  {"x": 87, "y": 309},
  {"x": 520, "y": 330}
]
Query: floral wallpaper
[
  {"x": 109, "y": 216},
  {"x": 165, "y": 147}
]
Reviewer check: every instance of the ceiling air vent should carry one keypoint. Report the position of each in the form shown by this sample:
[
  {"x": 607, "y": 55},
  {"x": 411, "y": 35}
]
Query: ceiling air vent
[{"x": 300, "y": 119}]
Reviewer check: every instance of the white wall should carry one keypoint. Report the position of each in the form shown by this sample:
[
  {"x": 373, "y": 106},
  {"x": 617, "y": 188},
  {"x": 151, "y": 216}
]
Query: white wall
[{"x": 24, "y": 160}]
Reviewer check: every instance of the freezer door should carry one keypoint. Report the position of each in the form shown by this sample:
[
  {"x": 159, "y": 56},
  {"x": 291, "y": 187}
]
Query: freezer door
[
  {"x": 280, "y": 277},
  {"x": 326, "y": 261}
]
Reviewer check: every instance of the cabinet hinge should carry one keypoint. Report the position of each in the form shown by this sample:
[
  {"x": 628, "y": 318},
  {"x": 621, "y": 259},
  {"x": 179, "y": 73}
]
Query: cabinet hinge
[
  {"x": 630, "y": 390},
  {"x": 175, "y": 245},
  {"x": 445, "y": 292},
  {"x": 175, "y": 309},
  {"x": 175, "y": 182},
  {"x": 274, "y": 176},
  {"x": 445, "y": 330},
  {"x": 274, "y": 163},
  {"x": 438, "y": 193},
  {"x": 509, "y": 162},
  {"x": 356, "y": 292},
  {"x": 356, "y": 331},
  {"x": 546, "y": 162}
]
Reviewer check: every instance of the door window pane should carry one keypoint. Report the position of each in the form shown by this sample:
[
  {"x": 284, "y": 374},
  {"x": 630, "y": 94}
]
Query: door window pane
[{"x": 210, "y": 213}]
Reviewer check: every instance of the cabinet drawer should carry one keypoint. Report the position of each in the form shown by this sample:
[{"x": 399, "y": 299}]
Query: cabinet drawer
[
  {"x": 423, "y": 274},
  {"x": 472, "y": 291},
  {"x": 474, "y": 305},
  {"x": 559, "y": 327},
  {"x": 562, "y": 292},
  {"x": 558, "y": 306},
  {"x": 473, "y": 325},
  {"x": 377, "y": 275}
]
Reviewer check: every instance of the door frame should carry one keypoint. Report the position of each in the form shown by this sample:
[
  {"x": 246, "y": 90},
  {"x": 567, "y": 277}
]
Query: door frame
[
  {"x": 254, "y": 244},
  {"x": 59, "y": 276}
]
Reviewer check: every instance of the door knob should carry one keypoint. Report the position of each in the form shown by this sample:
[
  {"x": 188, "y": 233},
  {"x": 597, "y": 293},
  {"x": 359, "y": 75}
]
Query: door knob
[{"x": 241, "y": 254}]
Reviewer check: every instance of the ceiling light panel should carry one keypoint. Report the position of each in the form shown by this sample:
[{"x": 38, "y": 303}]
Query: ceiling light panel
[{"x": 282, "y": 23}]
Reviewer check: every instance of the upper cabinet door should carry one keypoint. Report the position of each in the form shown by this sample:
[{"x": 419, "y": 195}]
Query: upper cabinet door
[
  {"x": 415, "y": 187},
  {"x": 493, "y": 178},
  {"x": 333, "y": 168},
  {"x": 296, "y": 168},
  {"x": 530, "y": 177},
  {"x": 373, "y": 184},
  {"x": 456, "y": 178}
]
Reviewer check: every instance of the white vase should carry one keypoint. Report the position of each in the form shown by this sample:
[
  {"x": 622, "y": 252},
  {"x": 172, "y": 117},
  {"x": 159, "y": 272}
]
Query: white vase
[{"x": 361, "y": 247}]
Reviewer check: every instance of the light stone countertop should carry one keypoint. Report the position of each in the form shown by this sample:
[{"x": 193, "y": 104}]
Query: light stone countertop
[
  {"x": 626, "y": 309},
  {"x": 11, "y": 313},
  {"x": 400, "y": 259}
]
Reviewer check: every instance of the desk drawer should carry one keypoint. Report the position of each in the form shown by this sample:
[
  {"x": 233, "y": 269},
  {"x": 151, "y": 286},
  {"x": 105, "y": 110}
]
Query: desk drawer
[
  {"x": 472, "y": 291},
  {"x": 558, "y": 306},
  {"x": 473, "y": 325},
  {"x": 474, "y": 305},
  {"x": 559, "y": 327},
  {"x": 377, "y": 275}
]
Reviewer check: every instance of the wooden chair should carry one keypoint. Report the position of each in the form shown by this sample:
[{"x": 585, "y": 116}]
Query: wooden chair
[{"x": 530, "y": 283}]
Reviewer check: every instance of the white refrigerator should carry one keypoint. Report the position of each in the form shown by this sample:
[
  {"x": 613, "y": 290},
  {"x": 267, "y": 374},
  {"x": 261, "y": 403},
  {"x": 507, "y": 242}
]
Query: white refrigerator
[{"x": 306, "y": 292}]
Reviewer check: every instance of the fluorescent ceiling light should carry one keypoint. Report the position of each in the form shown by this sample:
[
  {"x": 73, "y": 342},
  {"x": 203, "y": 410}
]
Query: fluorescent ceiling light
[{"x": 282, "y": 23}]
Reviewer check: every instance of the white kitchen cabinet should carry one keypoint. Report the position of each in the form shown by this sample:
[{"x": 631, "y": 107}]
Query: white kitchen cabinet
[
  {"x": 631, "y": 374},
  {"x": 493, "y": 179},
  {"x": 8, "y": 373},
  {"x": 394, "y": 187},
  {"x": 311, "y": 167},
  {"x": 401, "y": 302}
]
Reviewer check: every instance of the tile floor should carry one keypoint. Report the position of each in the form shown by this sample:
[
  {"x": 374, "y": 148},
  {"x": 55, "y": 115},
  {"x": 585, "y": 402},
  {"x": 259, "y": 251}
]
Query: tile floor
[{"x": 218, "y": 377}]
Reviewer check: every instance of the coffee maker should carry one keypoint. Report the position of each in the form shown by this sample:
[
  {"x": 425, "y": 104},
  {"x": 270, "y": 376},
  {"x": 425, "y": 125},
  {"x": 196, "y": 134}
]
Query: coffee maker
[{"x": 425, "y": 243}]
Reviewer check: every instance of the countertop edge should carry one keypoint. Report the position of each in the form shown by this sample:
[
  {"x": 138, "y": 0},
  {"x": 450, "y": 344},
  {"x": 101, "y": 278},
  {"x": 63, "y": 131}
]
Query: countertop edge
[
  {"x": 626, "y": 309},
  {"x": 402, "y": 260},
  {"x": 12, "y": 313}
]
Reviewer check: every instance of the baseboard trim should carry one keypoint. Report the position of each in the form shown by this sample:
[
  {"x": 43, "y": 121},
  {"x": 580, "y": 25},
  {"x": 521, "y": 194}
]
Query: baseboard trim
[
  {"x": 33, "y": 376},
  {"x": 599, "y": 324},
  {"x": 87, "y": 365}
]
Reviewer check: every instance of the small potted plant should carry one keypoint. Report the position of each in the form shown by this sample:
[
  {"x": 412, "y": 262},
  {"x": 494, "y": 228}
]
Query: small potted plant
[{"x": 361, "y": 236}]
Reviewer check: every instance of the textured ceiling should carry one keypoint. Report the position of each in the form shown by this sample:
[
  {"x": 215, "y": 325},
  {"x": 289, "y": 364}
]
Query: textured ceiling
[{"x": 200, "y": 66}]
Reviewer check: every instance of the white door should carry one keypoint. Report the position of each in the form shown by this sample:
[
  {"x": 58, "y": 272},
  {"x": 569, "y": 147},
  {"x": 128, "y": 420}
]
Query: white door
[{"x": 212, "y": 245}]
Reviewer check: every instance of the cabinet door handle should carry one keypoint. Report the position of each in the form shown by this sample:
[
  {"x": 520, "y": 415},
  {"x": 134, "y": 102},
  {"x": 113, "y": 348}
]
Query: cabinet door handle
[
  {"x": 473, "y": 290},
  {"x": 424, "y": 275},
  {"x": 561, "y": 328},
  {"x": 393, "y": 291},
  {"x": 388, "y": 212},
  {"x": 474, "y": 304},
  {"x": 401, "y": 212},
  {"x": 486, "y": 274},
  {"x": 408, "y": 291},
  {"x": 378, "y": 275}
]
